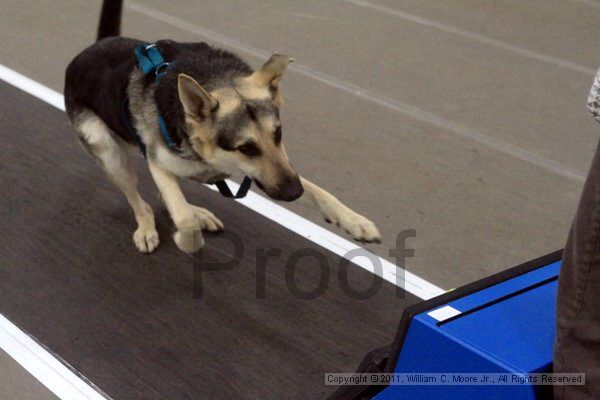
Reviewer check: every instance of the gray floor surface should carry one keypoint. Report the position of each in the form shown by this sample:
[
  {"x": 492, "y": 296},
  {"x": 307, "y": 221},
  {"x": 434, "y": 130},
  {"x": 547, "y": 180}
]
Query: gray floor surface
[
  {"x": 464, "y": 120},
  {"x": 17, "y": 384}
]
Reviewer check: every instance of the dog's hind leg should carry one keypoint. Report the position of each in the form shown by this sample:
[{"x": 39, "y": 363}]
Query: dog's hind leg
[{"x": 112, "y": 156}]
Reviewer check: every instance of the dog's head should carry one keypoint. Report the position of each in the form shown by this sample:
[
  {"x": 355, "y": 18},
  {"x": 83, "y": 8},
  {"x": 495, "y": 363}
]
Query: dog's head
[{"x": 236, "y": 128}]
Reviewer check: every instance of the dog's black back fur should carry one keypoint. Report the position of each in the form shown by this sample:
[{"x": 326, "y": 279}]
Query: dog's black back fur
[
  {"x": 98, "y": 77},
  {"x": 97, "y": 80}
]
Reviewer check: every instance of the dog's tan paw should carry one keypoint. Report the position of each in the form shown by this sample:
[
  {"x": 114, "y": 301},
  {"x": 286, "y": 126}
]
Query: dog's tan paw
[
  {"x": 357, "y": 226},
  {"x": 146, "y": 239},
  {"x": 189, "y": 241},
  {"x": 208, "y": 220}
]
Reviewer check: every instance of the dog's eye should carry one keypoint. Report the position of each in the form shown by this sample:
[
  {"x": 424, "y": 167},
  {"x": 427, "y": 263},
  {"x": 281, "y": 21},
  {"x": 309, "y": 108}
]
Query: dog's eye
[
  {"x": 225, "y": 144},
  {"x": 249, "y": 149},
  {"x": 278, "y": 135}
]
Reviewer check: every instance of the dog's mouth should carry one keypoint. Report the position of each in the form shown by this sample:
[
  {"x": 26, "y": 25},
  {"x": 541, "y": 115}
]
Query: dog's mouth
[
  {"x": 289, "y": 191},
  {"x": 259, "y": 184}
]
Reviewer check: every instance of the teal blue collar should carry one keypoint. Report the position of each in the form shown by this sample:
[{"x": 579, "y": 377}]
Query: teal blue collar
[{"x": 151, "y": 60}]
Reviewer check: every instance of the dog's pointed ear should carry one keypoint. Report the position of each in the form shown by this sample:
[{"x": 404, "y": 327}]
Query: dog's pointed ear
[
  {"x": 271, "y": 73},
  {"x": 196, "y": 101}
]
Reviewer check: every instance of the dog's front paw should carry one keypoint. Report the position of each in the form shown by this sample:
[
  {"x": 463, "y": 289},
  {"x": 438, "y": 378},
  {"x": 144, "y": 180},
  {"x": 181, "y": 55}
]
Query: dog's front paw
[
  {"x": 357, "y": 226},
  {"x": 189, "y": 241},
  {"x": 145, "y": 239},
  {"x": 208, "y": 220}
]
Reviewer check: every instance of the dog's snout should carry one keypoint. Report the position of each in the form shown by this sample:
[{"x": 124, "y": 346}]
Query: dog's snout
[{"x": 289, "y": 189}]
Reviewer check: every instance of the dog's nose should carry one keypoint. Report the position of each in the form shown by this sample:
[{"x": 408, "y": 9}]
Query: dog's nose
[{"x": 289, "y": 189}]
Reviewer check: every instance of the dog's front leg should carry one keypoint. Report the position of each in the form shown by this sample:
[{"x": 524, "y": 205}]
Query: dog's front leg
[
  {"x": 359, "y": 227},
  {"x": 188, "y": 236}
]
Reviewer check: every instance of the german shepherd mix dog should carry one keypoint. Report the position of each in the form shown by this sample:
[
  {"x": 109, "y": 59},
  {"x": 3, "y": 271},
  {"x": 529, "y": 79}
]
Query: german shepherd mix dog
[{"x": 222, "y": 116}]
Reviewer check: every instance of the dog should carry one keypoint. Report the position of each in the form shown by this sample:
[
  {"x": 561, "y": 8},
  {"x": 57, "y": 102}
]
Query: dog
[{"x": 222, "y": 118}]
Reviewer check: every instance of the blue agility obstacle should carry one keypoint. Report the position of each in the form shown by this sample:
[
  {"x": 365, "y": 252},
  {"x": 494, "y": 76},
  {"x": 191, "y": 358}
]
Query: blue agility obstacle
[{"x": 480, "y": 341}]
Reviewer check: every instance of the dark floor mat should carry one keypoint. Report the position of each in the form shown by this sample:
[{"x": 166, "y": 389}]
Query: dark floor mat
[{"x": 132, "y": 323}]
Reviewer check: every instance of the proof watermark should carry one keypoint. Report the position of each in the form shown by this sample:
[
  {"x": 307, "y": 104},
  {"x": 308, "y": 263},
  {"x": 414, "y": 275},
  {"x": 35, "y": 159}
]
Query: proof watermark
[
  {"x": 453, "y": 378},
  {"x": 236, "y": 253}
]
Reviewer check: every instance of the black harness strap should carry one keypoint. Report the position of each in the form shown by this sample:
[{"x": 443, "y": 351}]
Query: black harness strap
[
  {"x": 242, "y": 190},
  {"x": 151, "y": 60}
]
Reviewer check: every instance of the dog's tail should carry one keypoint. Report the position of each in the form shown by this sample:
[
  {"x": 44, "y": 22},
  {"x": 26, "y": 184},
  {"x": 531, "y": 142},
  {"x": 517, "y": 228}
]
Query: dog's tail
[{"x": 110, "y": 19}]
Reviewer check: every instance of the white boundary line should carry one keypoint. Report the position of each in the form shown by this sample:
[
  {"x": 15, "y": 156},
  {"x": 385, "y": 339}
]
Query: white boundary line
[
  {"x": 32, "y": 87},
  {"x": 368, "y": 95},
  {"x": 311, "y": 231},
  {"x": 475, "y": 37},
  {"x": 47, "y": 369}
]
